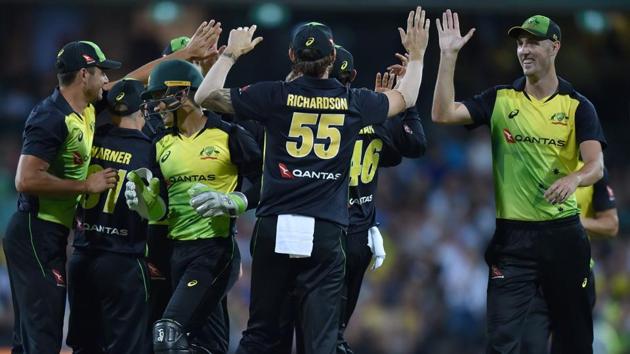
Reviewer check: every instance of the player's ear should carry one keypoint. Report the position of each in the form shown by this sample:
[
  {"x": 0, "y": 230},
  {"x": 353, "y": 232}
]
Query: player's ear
[
  {"x": 291, "y": 55},
  {"x": 353, "y": 75}
]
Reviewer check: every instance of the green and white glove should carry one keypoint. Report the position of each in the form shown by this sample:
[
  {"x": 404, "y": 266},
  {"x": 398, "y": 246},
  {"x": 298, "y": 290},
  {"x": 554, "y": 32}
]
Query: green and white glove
[
  {"x": 142, "y": 198},
  {"x": 208, "y": 202}
]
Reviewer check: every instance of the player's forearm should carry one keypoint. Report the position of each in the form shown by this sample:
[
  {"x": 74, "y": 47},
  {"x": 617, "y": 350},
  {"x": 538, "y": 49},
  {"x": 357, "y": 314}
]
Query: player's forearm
[
  {"x": 45, "y": 184},
  {"x": 604, "y": 226},
  {"x": 444, "y": 95},
  {"x": 410, "y": 84},
  {"x": 214, "y": 80},
  {"x": 590, "y": 173}
]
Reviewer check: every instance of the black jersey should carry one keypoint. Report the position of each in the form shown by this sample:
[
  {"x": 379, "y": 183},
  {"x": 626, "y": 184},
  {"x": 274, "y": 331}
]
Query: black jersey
[
  {"x": 104, "y": 221},
  {"x": 382, "y": 145},
  {"x": 310, "y": 129}
]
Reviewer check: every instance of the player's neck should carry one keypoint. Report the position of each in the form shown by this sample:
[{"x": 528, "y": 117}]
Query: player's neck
[
  {"x": 129, "y": 123},
  {"x": 190, "y": 122},
  {"x": 75, "y": 97},
  {"x": 542, "y": 86}
]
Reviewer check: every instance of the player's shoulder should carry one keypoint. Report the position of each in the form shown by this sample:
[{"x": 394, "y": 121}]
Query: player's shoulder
[
  {"x": 52, "y": 109},
  {"x": 263, "y": 86}
]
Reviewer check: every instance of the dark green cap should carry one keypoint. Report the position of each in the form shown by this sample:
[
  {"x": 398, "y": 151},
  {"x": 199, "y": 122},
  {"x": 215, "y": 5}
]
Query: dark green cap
[
  {"x": 539, "y": 26},
  {"x": 344, "y": 62},
  {"x": 123, "y": 98},
  {"x": 82, "y": 54},
  {"x": 172, "y": 73},
  {"x": 176, "y": 44}
]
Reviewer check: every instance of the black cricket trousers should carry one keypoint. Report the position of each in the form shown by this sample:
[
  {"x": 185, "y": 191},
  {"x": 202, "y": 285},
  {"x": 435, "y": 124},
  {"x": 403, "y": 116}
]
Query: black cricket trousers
[
  {"x": 530, "y": 261},
  {"x": 315, "y": 281},
  {"x": 35, "y": 250}
]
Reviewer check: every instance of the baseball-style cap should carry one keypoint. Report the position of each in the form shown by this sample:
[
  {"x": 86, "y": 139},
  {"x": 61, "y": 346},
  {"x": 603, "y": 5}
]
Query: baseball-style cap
[
  {"x": 315, "y": 37},
  {"x": 539, "y": 26},
  {"x": 124, "y": 97},
  {"x": 82, "y": 54},
  {"x": 176, "y": 44},
  {"x": 344, "y": 62},
  {"x": 325, "y": 28}
]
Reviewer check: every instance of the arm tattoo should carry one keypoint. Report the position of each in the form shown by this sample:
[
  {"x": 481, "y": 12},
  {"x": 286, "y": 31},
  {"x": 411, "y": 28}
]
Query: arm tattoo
[{"x": 219, "y": 101}]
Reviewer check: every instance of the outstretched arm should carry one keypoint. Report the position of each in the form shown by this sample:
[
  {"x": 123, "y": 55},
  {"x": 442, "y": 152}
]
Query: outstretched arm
[
  {"x": 211, "y": 94},
  {"x": 445, "y": 110},
  {"x": 199, "y": 48},
  {"x": 415, "y": 40}
]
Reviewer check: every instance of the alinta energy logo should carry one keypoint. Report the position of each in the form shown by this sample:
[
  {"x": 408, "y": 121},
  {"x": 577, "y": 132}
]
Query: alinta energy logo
[
  {"x": 209, "y": 153},
  {"x": 560, "y": 118}
]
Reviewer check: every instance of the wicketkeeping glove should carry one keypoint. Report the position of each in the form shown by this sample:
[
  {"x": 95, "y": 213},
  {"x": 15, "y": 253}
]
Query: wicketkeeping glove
[
  {"x": 208, "y": 202},
  {"x": 144, "y": 199},
  {"x": 375, "y": 243}
]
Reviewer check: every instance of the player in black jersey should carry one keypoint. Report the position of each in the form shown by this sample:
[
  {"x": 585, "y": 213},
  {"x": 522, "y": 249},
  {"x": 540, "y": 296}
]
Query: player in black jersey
[
  {"x": 380, "y": 145},
  {"x": 311, "y": 125},
  {"x": 108, "y": 278}
]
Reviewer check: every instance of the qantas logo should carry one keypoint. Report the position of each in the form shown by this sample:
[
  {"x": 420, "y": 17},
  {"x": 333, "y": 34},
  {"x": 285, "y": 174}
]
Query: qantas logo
[
  {"x": 611, "y": 194},
  {"x": 286, "y": 173},
  {"x": 59, "y": 278},
  {"x": 508, "y": 136},
  {"x": 513, "y": 139},
  {"x": 88, "y": 59},
  {"x": 496, "y": 273}
]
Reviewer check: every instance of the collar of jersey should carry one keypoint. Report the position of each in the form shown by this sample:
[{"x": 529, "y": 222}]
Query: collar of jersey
[
  {"x": 213, "y": 121},
  {"x": 318, "y": 83},
  {"x": 564, "y": 87},
  {"x": 61, "y": 103},
  {"x": 110, "y": 129}
]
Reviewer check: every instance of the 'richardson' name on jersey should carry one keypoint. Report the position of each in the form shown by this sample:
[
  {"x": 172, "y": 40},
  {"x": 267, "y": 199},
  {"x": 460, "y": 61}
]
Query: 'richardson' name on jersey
[{"x": 333, "y": 103}]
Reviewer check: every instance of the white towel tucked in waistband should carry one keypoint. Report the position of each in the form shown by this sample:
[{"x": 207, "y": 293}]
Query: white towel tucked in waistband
[{"x": 294, "y": 235}]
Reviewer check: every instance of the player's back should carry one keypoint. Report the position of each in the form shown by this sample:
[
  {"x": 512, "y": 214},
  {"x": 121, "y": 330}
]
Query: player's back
[
  {"x": 104, "y": 221},
  {"x": 310, "y": 128}
]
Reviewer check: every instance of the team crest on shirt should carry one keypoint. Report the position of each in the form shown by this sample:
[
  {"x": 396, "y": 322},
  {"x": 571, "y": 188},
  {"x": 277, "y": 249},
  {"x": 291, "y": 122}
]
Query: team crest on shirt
[
  {"x": 560, "y": 118},
  {"x": 209, "y": 153}
]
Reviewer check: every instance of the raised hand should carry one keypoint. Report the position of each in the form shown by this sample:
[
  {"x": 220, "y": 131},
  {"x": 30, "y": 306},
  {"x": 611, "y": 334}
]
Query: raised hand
[
  {"x": 203, "y": 43},
  {"x": 416, "y": 37},
  {"x": 212, "y": 58},
  {"x": 384, "y": 82},
  {"x": 399, "y": 69},
  {"x": 240, "y": 41},
  {"x": 451, "y": 40}
]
